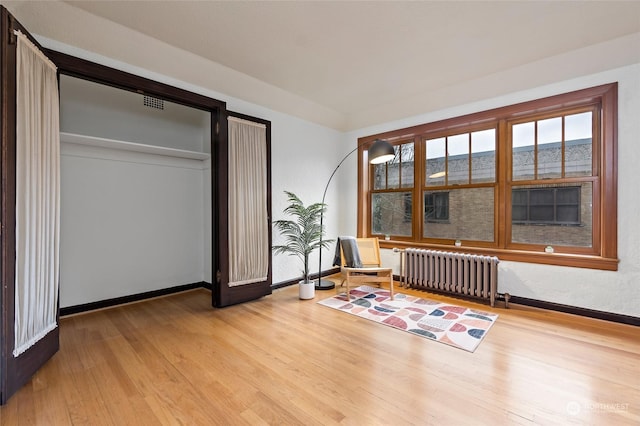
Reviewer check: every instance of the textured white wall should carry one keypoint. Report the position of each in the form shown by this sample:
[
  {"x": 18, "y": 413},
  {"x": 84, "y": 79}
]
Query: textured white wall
[{"x": 617, "y": 292}]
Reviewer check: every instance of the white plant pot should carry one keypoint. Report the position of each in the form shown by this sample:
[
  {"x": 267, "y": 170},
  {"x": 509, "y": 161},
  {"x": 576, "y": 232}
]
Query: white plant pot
[{"x": 307, "y": 290}]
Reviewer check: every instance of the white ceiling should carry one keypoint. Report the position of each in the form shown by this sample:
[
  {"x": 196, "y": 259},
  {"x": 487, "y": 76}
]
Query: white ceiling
[{"x": 351, "y": 56}]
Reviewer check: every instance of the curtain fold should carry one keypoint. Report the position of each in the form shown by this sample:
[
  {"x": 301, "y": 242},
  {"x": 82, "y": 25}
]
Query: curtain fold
[
  {"x": 37, "y": 195},
  {"x": 248, "y": 218}
]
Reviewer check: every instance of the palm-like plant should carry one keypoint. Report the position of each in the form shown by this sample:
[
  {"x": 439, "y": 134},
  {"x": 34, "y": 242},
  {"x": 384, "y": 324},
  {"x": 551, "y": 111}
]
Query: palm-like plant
[{"x": 304, "y": 234}]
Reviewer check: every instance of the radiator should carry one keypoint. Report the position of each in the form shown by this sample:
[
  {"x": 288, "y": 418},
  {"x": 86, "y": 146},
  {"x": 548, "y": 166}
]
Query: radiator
[{"x": 458, "y": 273}]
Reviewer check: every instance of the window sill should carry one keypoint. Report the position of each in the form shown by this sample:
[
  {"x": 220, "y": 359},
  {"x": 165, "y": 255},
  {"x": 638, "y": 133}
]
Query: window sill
[{"x": 558, "y": 259}]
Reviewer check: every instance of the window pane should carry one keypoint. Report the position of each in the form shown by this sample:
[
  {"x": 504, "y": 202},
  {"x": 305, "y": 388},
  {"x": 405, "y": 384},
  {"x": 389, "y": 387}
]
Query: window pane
[
  {"x": 578, "y": 144},
  {"x": 550, "y": 148},
  {"x": 550, "y": 131},
  {"x": 578, "y": 126},
  {"x": 470, "y": 216},
  {"x": 436, "y": 206},
  {"x": 458, "y": 159},
  {"x": 435, "y": 166},
  {"x": 391, "y": 213},
  {"x": 393, "y": 170},
  {"x": 380, "y": 176},
  {"x": 398, "y": 172},
  {"x": 407, "y": 165},
  {"x": 566, "y": 220},
  {"x": 483, "y": 156},
  {"x": 523, "y": 142}
]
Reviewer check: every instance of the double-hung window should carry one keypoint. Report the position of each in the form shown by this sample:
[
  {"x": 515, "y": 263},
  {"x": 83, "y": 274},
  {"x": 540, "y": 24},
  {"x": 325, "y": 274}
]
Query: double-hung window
[
  {"x": 461, "y": 168},
  {"x": 534, "y": 182},
  {"x": 552, "y": 178},
  {"x": 392, "y": 193}
]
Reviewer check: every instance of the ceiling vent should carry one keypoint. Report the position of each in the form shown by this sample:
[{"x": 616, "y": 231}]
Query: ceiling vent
[{"x": 152, "y": 102}]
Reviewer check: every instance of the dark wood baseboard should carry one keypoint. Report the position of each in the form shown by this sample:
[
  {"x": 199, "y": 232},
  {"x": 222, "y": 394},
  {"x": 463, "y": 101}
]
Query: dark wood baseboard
[
  {"x": 590, "y": 313},
  {"x": 69, "y": 310},
  {"x": 550, "y": 306},
  {"x": 282, "y": 284}
]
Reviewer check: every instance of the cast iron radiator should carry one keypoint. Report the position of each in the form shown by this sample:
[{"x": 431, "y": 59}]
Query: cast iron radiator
[{"x": 459, "y": 273}]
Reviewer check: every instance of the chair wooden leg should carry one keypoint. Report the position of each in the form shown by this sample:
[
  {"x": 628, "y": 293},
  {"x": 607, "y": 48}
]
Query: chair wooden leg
[{"x": 391, "y": 285}]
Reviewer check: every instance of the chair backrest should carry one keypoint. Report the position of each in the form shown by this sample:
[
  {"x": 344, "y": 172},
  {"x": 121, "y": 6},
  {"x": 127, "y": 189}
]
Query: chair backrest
[{"x": 369, "y": 249}]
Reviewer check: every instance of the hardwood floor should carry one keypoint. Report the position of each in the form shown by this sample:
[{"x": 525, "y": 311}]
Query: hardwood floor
[{"x": 279, "y": 360}]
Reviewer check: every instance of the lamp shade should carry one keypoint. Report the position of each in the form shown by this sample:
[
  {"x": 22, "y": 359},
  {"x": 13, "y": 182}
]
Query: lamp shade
[{"x": 380, "y": 152}]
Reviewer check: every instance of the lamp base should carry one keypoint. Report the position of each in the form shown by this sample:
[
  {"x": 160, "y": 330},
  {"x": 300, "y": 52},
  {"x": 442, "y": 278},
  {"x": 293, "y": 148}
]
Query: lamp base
[{"x": 325, "y": 285}]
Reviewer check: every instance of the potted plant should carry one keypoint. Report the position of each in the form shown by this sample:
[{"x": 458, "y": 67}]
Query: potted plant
[{"x": 302, "y": 236}]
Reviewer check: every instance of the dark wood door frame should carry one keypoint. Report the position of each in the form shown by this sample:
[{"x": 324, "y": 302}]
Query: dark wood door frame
[
  {"x": 222, "y": 294},
  {"x": 14, "y": 371},
  {"x": 86, "y": 70}
]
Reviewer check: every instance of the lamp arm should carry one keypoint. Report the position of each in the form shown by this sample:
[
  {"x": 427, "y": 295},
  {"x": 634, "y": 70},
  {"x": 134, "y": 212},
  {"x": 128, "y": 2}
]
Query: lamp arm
[{"x": 324, "y": 194}]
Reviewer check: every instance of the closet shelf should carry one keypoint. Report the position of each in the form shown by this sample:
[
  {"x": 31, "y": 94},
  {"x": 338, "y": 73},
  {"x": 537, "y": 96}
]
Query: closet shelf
[{"x": 130, "y": 146}]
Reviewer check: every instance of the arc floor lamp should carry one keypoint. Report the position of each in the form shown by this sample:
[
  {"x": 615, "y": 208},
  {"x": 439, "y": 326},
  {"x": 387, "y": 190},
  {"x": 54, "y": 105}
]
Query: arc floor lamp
[{"x": 379, "y": 152}]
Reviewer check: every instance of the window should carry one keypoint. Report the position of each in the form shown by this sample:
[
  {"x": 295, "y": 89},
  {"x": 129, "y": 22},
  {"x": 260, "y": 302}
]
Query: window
[
  {"x": 462, "y": 166},
  {"x": 509, "y": 182},
  {"x": 436, "y": 206},
  {"x": 552, "y": 171},
  {"x": 392, "y": 197},
  {"x": 546, "y": 206}
]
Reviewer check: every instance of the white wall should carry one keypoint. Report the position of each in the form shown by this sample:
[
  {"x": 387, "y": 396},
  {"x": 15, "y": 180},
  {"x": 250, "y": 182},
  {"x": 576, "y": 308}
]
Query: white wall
[
  {"x": 130, "y": 223},
  {"x": 617, "y": 292}
]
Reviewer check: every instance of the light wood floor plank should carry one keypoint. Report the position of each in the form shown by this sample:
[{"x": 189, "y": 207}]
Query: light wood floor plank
[{"x": 279, "y": 360}]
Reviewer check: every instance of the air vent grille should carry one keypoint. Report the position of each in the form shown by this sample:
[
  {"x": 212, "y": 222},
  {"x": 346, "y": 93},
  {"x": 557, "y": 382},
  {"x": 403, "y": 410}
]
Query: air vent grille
[{"x": 152, "y": 102}]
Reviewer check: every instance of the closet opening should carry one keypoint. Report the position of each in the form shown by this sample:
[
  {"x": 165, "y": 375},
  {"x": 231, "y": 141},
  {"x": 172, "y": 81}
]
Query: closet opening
[
  {"x": 138, "y": 189},
  {"x": 135, "y": 194}
]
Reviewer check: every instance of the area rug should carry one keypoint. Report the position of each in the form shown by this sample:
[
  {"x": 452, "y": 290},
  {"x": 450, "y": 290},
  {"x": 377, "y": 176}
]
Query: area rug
[{"x": 443, "y": 322}]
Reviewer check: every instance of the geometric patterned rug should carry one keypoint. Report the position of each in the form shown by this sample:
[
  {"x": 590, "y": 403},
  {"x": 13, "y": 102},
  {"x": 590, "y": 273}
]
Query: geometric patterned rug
[{"x": 443, "y": 322}]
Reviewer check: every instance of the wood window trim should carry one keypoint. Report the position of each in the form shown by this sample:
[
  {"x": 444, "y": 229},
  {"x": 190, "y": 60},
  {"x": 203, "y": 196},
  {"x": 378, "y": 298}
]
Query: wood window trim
[{"x": 605, "y": 160}]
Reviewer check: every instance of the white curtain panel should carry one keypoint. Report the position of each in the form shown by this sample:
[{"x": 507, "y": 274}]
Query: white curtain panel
[
  {"x": 248, "y": 219},
  {"x": 37, "y": 195}
]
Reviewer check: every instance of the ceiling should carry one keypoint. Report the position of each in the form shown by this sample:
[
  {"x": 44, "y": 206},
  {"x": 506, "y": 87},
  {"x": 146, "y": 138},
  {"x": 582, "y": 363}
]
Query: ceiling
[{"x": 348, "y": 56}]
